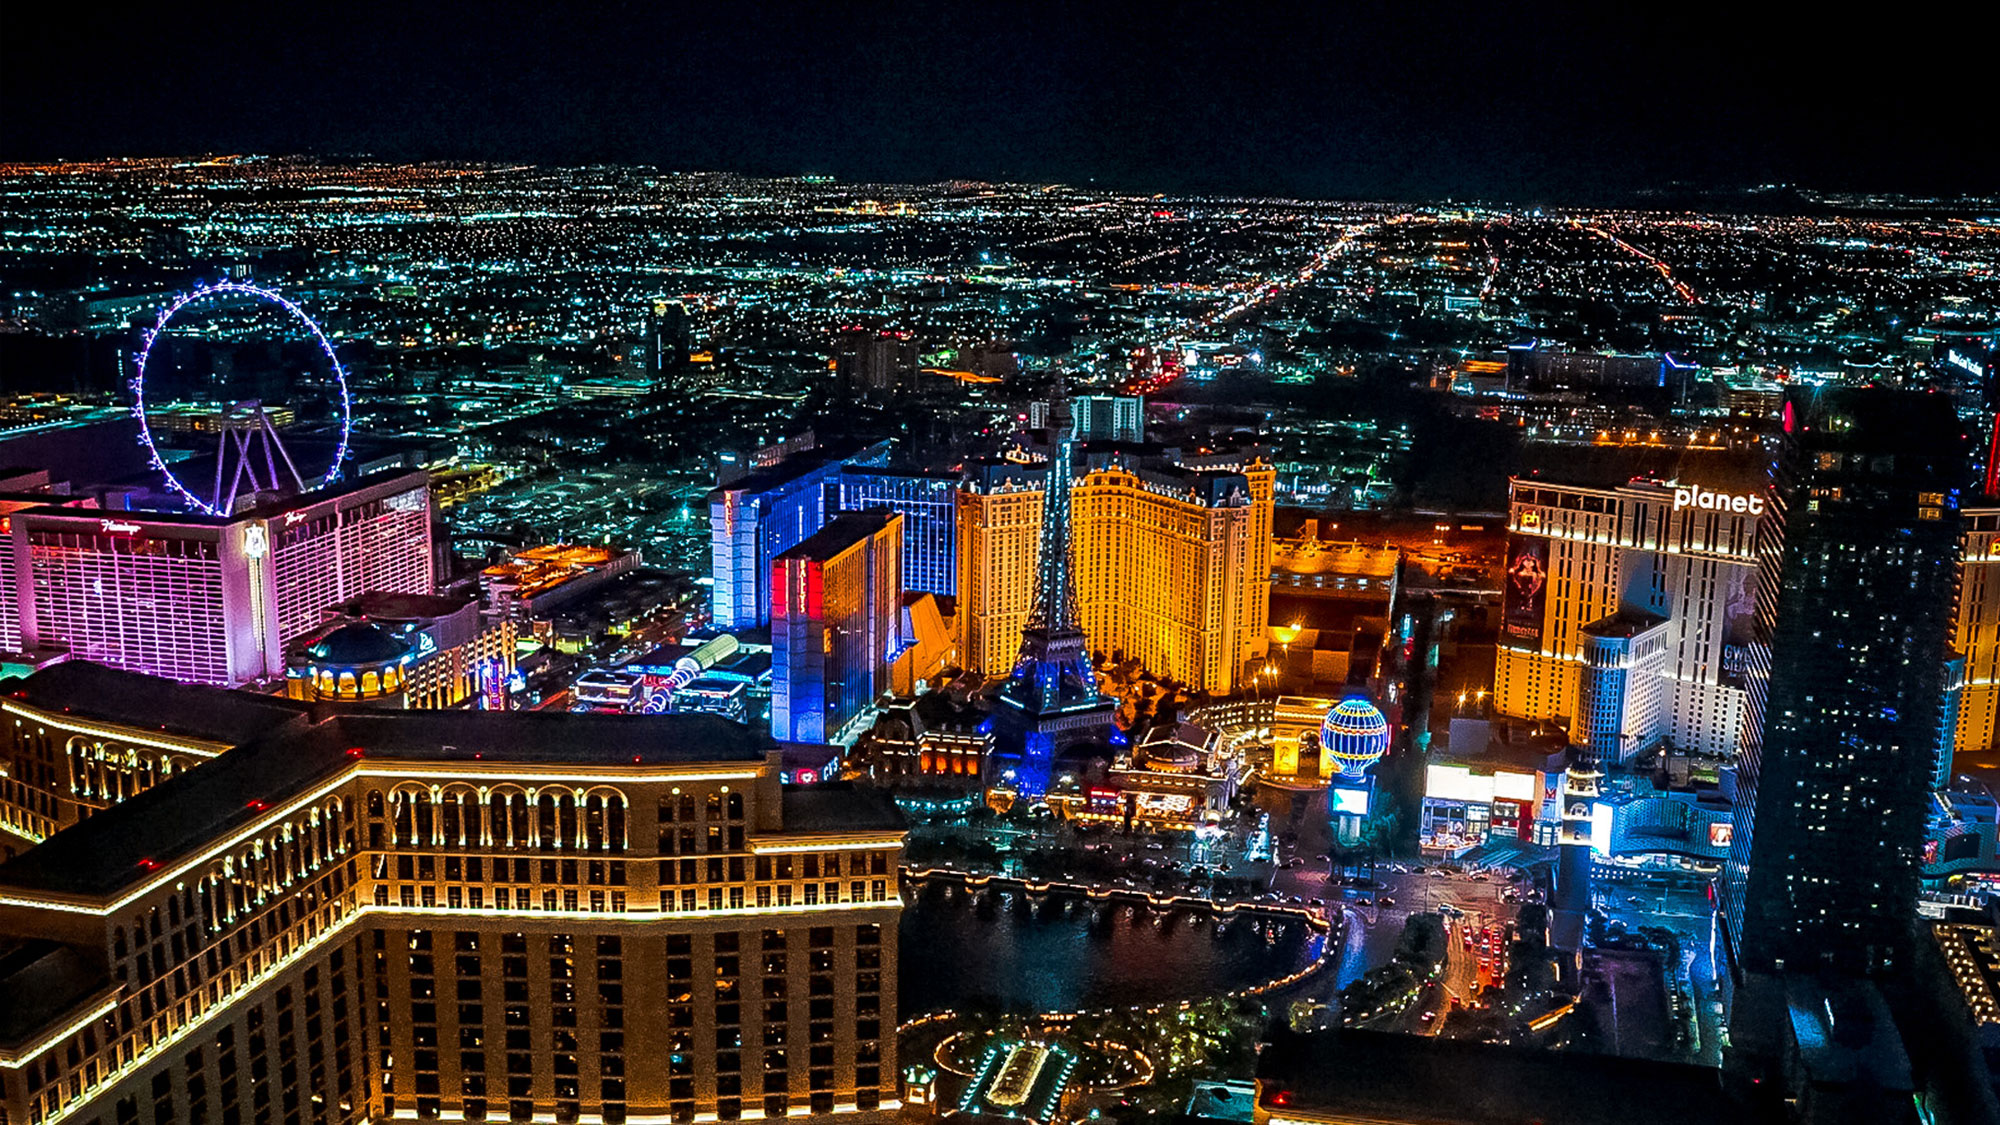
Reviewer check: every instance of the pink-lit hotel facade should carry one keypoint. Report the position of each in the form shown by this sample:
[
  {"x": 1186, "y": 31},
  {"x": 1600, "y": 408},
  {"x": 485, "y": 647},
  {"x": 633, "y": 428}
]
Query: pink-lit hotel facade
[{"x": 209, "y": 600}]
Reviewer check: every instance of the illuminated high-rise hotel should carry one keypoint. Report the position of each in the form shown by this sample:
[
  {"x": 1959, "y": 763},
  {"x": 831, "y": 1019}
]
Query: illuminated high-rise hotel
[
  {"x": 422, "y": 914},
  {"x": 925, "y": 500},
  {"x": 209, "y": 599},
  {"x": 1172, "y": 562},
  {"x": 1976, "y": 631},
  {"x": 836, "y": 614},
  {"x": 755, "y": 517},
  {"x": 1596, "y": 546}
]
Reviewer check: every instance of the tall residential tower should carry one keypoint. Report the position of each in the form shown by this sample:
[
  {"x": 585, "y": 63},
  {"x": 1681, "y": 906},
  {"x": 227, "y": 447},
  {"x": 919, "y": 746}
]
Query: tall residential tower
[{"x": 1859, "y": 563}]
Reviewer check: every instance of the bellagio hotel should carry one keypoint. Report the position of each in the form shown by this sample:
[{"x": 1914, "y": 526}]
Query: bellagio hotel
[{"x": 240, "y": 910}]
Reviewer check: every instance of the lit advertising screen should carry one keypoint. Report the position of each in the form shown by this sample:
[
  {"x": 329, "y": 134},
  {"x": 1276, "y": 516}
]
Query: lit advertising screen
[
  {"x": 1739, "y": 622},
  {"x": 1456, "y": 783},
  {"x": 1514, "y": 786},
  {"x": 1524, "y": 590},
  {"x": 1719, "y": 835},
  {"x": 1348, "y": 802}
]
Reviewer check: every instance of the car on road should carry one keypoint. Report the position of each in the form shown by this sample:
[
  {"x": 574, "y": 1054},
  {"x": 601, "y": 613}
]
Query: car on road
[
  {"x": 1429, "y": 1016},
  {"x": 1440, "y": 873},
  {"x": 1385, "y": 900}
]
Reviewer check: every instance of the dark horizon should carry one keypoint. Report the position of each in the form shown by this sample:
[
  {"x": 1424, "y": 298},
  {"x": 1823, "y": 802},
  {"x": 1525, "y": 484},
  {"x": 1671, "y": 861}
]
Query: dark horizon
[{"x": 1373, "y": 102}]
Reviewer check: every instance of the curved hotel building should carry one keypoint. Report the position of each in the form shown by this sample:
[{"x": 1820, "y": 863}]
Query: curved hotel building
[{"x": 232, "y": 909}]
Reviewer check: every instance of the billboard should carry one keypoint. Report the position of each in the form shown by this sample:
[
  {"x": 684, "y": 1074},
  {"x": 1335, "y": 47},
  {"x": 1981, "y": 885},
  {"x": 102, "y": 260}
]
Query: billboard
[
  {"x": 1348, "y": 802},
  {"x": 1457, "y": 783},
  {"x": 1739, "y": 624},
  {"x": 1524, "y": 591}
]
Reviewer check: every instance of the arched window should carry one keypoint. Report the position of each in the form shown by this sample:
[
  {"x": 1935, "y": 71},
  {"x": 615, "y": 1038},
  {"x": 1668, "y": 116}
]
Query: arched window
[
  {"x": 496, "y": 819},
  {"x": 450, "y": 824},
  {"x": 604, "y": 820},
  {"x": 545, "y": 820},
  {"x": 426, "y": 823},
  {"x": 614, "y": 822},
  {"x": 572, "y": 834},
  {"x": 736, "y": 806},
  {"x": 402, "y": 830}
]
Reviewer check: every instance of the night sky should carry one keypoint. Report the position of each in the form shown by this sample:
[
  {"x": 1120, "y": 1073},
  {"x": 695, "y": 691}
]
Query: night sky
[{"x": 1495, "y": 100}]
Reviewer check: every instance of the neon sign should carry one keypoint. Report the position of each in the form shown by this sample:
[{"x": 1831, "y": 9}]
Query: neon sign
[
  {"x": 255, "y": 542},
  {"x": 114, "y": 525},
  {"x": 1695, "y": 496},
  {"x": 1966, "y": 363}
]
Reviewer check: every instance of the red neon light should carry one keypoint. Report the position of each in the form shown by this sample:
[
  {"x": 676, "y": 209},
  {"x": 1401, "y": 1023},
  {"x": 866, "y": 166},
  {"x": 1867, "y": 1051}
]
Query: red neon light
[{"x": 1993, "y": 460}]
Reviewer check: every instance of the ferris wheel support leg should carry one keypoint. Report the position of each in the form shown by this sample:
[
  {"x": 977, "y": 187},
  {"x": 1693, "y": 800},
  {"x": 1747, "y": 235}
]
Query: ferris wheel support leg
[{"x": 272, "y": 441}]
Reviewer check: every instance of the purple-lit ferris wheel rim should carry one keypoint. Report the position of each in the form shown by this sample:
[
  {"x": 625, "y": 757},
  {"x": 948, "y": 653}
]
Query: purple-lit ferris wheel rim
[{"x": 202, "y": 292}]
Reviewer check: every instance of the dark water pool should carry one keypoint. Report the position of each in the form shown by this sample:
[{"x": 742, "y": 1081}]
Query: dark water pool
[{"x": 1057, "y": 953}]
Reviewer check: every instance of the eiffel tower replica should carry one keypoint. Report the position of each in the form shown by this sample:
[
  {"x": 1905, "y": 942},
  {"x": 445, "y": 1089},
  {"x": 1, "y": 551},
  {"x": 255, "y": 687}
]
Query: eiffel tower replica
[{"x": 1051, "y": 701}]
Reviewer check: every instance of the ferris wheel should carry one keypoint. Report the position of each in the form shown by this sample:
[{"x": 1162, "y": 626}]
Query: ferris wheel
[{"x": 250, "y": 457}]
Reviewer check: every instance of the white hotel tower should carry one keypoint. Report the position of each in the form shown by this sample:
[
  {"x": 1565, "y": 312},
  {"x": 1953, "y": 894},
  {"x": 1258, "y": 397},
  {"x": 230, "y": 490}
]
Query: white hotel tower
[{"x": 1649, "y": 572}]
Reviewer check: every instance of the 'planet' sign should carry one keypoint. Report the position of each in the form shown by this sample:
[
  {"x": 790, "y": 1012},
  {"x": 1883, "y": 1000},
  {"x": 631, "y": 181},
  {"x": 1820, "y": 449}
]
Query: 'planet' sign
[{"x": 1695, "y": 496}]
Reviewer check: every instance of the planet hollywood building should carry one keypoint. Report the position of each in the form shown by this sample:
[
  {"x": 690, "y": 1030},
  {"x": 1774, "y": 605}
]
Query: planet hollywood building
[{"x": 1630, "y": 600}]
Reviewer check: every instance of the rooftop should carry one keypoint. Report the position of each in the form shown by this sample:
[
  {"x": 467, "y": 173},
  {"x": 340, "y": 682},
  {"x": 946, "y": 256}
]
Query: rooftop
[
  {"x": 131, "y": 699},
  {"x": 838, "y": 807},
  {"x": 840, "y": 533},
  {"x": 42, "y": 980},
  {"x": 1592, "y": 466},
  {"x": 1408, "y": 1077},
  {"x": 119, "y": 846},
  {"x": 386, "y": 606},
  {"x": 1625, "y": 624}
]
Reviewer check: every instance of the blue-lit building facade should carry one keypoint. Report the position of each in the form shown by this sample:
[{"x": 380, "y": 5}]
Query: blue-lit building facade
[
  {"x": 757, "y": 517},
  {"x": 835, "y": 626},
  {"x": 926, "y": 501}
]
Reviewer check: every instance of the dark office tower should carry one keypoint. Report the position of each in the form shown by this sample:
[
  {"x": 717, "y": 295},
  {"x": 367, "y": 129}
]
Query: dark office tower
[
  {"x": 876, "y": 363},
  {"x": 666, "y": 338},
  {"x": 1861, "y": 559}
]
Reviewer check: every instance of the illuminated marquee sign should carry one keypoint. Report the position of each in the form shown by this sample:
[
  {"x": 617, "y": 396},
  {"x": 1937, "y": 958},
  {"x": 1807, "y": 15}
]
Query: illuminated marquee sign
[
  {"x": 116, "y": 526},
  {"x": 1966, "y": 363},
  {"x": 1695, "y": 496}
]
